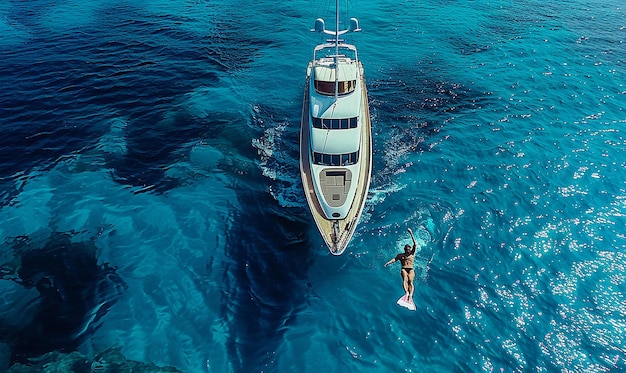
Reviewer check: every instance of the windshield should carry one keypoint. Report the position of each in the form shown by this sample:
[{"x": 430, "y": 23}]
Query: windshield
[{"x": 328, "y": 88}]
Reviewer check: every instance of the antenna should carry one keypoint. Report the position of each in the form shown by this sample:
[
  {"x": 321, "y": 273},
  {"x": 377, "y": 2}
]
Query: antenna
[{"x": 336, "y": 50}]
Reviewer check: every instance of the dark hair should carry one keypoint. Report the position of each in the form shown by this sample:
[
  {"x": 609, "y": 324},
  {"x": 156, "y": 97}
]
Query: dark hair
[{"x": 407, "y": 247}]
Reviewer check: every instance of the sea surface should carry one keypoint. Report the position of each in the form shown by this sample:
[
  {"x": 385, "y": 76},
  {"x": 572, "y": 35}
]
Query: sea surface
[{"x": 150, "y": 198}]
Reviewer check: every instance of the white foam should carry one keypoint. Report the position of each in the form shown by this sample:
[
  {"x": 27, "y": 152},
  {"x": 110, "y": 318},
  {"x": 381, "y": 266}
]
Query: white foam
[{"x": 277, "y": 165}]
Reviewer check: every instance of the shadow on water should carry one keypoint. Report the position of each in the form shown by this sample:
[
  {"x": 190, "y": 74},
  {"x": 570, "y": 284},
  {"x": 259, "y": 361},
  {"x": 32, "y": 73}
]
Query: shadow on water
[
  {"x": 420, "y": 95},
  {"x": 266, "y": 281},
  {"x": 74, "y": 293},
  {"x": 59, "y": 89},
  {"x": 411, "y": 108},
  {"x": 154, "y": 144}
]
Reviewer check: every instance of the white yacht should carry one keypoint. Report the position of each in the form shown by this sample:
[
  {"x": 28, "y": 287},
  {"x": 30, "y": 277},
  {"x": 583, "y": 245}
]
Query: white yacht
[{"x": 335, "y": 138}]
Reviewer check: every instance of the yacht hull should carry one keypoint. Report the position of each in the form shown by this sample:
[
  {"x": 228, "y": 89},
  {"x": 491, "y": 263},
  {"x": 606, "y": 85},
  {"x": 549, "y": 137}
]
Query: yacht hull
[{"x": 337, "y": 233}]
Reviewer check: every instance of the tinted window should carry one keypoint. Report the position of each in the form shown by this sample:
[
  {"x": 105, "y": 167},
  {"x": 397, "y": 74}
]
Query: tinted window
[
  {"x": 328, "y": 88},
  {"x": 325, "y": 88},
  {"x": 335, "y": 159},
  {"x": 334, "y": 124},
  {"x": 345, "y": 159}
]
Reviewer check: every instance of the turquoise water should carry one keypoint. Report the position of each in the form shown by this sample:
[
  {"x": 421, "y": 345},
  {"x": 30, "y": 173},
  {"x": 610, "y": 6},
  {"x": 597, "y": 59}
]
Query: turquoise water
[{"x": 160, "y": 138}]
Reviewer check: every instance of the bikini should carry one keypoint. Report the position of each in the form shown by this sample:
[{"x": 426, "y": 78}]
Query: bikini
[{"x": 407, "y": 269}]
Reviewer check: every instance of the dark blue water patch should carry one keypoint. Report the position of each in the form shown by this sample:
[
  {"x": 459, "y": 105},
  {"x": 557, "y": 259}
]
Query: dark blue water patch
[
  {"x": 468, "y": 46},
  {"x": 413, "y": 105},
  {"x": 417, "y": 94},
  {"x": 75, "y": 292},
  {"x": 266, "y": 285},
  {"x": 153, "y": 144},
  {"x": 58, "y": 89},
  {"x": 411, "y": 108}
]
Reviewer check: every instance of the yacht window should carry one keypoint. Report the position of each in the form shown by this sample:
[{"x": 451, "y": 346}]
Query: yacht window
[
  {"x": 347, "y": 86},
  {"x": 325, "y": 88},
  {"x": 354, "y": 157},
  {"x": 328, "y": 88},
  {"x": 326, "y": 159},
  {"x": 346, "y": 123},
  {"x": 335, "y": 159}
]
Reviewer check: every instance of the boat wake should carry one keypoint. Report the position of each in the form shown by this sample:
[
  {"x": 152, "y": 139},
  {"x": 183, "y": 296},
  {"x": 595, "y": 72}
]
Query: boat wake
[{"x": 277, "y": 147}]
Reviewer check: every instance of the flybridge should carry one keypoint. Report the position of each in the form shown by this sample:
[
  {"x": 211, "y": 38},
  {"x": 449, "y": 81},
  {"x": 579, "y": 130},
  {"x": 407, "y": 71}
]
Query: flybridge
[{"x": 332, "y": 59}]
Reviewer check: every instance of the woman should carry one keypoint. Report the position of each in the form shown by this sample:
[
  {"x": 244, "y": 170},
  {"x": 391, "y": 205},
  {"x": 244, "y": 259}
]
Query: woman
[{"x": 407, "y": 272}]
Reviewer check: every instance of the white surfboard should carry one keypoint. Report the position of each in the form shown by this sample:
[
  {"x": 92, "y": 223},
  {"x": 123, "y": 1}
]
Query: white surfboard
[{"x": 405, "y": 302}]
